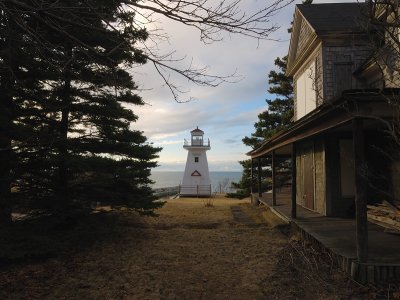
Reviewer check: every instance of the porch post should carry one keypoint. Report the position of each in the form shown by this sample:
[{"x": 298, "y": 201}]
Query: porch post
[
  {"x": 259, "y": 177},
  {"x": 360, "y": 191},
  {"x": 293, "y": 202},
  {"x": 273, "y": 178},
  {"x": 251, "y": 177}
]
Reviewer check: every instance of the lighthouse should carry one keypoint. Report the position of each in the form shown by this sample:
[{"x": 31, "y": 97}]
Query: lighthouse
[{"x": 196, "y": 179}]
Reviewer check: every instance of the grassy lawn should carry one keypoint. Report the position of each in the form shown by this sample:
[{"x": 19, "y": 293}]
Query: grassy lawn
[{"x": 191, "y": 251}]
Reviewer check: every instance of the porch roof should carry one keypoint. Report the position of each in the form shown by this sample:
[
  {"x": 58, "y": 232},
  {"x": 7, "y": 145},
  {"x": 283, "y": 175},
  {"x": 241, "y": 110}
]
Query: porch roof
[{"x": 352, "y": 104}]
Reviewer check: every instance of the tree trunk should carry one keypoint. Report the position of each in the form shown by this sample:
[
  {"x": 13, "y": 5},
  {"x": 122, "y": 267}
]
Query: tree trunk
[
  {"x": 7, "y": 86},
  {"x": 62, "y": 192},
  {"x": 5, "y": 167}
]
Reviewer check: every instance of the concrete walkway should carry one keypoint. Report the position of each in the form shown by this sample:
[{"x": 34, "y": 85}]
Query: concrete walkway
[{"x": 338, "y": 235}]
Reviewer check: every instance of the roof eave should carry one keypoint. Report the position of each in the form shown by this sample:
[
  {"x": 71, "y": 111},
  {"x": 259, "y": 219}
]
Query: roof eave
[
  {"x": 320, "y": 112},
  {"x": 299, "y": 60}
]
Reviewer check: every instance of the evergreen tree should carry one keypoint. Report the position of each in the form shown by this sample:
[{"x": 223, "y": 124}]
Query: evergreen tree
[
  {"x": 95, "y": 154},
  {"x": 18, "y": 86},
  {"x": 280, "y": 110},
  {"x": 64, "y": 128},
  {"x": 81, "y": 148},
  {"x": 276, "y": 118}
]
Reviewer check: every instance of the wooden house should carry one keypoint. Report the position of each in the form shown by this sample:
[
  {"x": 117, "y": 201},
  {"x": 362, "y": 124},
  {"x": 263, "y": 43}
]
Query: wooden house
[{"x": 340, "y": 142}]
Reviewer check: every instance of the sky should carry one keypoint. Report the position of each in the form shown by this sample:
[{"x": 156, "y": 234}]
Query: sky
[{"x": 226, "y": 113}]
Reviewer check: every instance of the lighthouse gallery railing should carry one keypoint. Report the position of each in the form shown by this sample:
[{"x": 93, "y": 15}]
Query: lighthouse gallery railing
[{"x": 187, "y": 143}]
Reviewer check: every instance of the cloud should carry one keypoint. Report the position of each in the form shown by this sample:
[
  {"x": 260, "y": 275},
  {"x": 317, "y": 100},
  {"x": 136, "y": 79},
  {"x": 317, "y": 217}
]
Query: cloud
[
  {"x": 230, "y": 141},
  {"x": 163, "y": 136},
  {"x": 170, "y": 166},
  {"x": 226, "y": 113},
  {"x": 171, "y": 119},
  {"x": 167, "y": 142}
]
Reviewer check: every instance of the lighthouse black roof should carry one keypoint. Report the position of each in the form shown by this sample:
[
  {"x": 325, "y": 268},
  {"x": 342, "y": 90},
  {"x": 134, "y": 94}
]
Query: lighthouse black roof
[{"x": 197, "y": 130}]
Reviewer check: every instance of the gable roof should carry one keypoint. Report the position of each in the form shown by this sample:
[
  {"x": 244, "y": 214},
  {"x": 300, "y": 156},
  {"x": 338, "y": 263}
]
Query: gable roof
[
  {"x": 334, "y": 17},
  {"x": 323, "y": 21}
]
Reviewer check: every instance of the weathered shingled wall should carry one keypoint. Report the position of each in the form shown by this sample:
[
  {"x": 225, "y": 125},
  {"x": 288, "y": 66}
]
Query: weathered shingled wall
[{"x": 355, "y": 56}]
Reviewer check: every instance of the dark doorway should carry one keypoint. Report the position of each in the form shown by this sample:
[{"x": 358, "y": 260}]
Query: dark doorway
[{"x": 308, "y": 177}]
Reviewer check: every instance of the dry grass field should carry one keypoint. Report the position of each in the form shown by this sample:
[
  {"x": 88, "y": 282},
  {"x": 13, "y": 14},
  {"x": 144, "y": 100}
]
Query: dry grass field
[{"x": 225, "y": 250}]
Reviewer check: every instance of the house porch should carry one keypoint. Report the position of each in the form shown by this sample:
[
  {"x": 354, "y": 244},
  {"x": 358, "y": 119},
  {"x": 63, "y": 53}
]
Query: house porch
[
  {"x": 338, "y": 237},
  {"x": 313, "y": 146}
]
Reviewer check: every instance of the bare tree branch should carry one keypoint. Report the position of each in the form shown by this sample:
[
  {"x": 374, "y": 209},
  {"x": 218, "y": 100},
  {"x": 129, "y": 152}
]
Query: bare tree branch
[{"x": 211, "y": 18}]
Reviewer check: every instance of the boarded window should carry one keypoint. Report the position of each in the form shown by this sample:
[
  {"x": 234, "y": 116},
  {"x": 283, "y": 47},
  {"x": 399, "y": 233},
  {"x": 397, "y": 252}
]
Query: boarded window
[
  {"x": 306, "y": 99},
  {"x": 308, "y": 175},
  {"x": 343, "y": 73},
  {"x": 343, "y": 76}
]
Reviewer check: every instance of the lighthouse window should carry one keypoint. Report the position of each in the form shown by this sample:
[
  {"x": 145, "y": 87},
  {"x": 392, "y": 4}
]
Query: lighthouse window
[{"x": 196, "y": 159}]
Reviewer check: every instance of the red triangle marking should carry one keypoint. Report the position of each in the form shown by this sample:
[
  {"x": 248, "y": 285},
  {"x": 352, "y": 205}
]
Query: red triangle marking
[{"x": 196, "y": 173}]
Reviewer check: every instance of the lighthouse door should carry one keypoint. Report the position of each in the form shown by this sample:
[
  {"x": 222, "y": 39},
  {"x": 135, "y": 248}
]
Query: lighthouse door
[
  {"x": 197, "y": 182},
  {"x": 196, "y": 178}
]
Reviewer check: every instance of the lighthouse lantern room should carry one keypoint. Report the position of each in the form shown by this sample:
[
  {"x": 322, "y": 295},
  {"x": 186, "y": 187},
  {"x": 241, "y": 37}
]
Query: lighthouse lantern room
[{"x": 196, "y": 179}]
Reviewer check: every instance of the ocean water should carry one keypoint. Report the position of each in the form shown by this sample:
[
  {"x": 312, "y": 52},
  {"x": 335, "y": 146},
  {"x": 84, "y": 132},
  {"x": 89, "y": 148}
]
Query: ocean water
[{"x": 220, "y": 181}]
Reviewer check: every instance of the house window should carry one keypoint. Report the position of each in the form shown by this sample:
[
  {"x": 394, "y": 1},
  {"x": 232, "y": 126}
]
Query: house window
[{"x": 196, "y": 159}]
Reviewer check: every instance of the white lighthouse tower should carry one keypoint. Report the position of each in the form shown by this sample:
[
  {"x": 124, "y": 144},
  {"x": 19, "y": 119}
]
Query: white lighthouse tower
[{"x": 196, "y": 179}]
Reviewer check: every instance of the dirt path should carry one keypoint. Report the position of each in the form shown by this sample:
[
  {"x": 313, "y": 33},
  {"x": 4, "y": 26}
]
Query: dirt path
[
  {"x": 190, "y": 251},
  {"x": 198, "y": 252}
]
